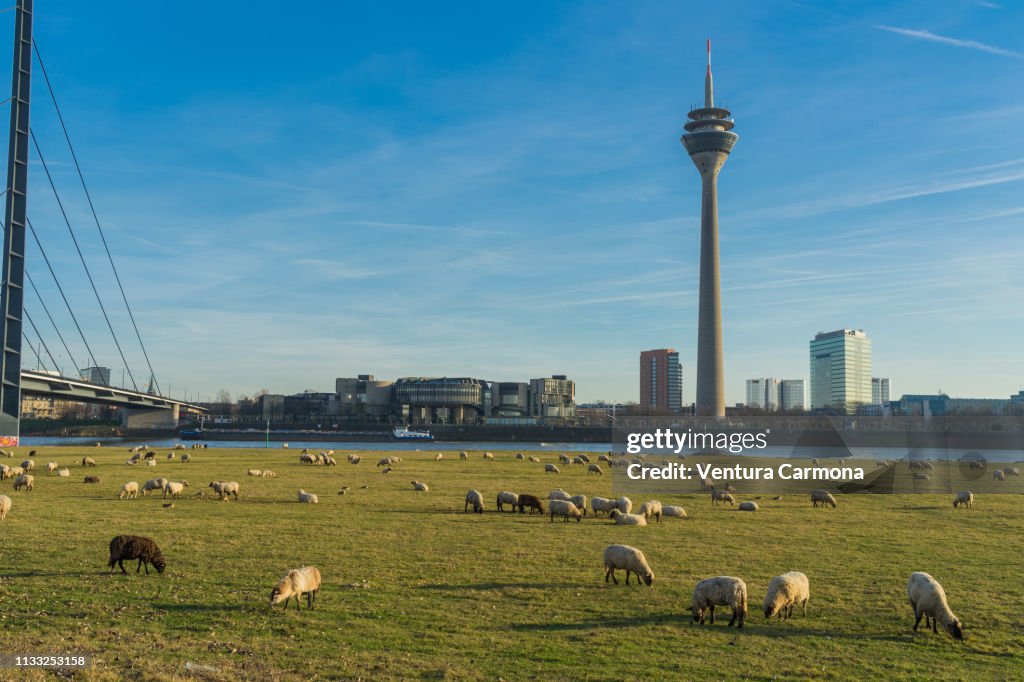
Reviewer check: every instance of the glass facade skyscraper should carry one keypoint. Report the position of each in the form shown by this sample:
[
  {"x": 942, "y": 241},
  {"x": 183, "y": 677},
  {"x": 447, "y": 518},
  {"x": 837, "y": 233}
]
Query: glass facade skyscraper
[{"x": 840, "y": 370}]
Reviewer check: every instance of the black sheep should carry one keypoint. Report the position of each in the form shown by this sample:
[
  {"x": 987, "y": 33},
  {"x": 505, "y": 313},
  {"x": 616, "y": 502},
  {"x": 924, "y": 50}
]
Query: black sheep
[{"x": 132, "y": 547}]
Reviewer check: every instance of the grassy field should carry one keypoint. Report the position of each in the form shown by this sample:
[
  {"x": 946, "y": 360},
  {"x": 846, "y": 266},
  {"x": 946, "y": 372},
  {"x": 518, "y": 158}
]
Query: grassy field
[{"x": 416, "y": 589}]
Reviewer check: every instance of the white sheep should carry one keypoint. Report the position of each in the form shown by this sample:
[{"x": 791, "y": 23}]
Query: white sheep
[
  {"x": 520, "y": 456},
  {"x": 51, "y": 467},
  {"x": 535, "y": 460},
  {"x": 254, "y": 472},
  {"x": 463, "y": 455},
  {"x": 88, "y": 462},
  {"x": 267, "y": 473},
  {"x": 473, "y": 497},
  {"x": 565, "y": 509},
  {"x": 225, "y": 489},
  {"x": 560, "y": 494},
  {"x": 170, "y": 455},
  {"x": 129, "y": 490},
  {"x": 604, "y": 458},
  {"x": 185, "y": 457},
  {"x": 153, "y": 484},
  {"x": 354, "y": 459},
  {"x": 488, "y": 455},
  {"x": 16, "y": 471},
  {"x": 438, "y": 457},
  {"x": 786, "y": 591},
  {"x": 1012, "y": 471},
  {"x": 822, "y": 497},
  {"x": 174, "y": 489},
  {"x": 64, "y": 473},
  {"x": 627, "y": 519},
  {"x": 578, "y": 460},
  {"x": 965, "y": 498},
  {"x": 507, "y": 497},
  {"x": 420, "y": 487},
  {"x": 997, "y": 474},
  {"x": 720, "y": 591},
  {"x": 595, "y": 469},
  {"x": 624, "y": 505},
  {"x": 926, "y": 477},
  {"x": 748, "y": 506},
  {"x": 26, "y": 481},
  {"x": 581, "y": 502},
  {"x": 603, "y": 504},
  {"x": 815, "y": 462},
  {"x": 629, "y": 558},
  {"x": 551, "y": 469},
  {"x": 928, "y": 600},
  {"x": 5, "y": 472},
  {"x": 672, "y": 510},
  {"x": 28, "y": 465},
  {"x": 308, "y": 498},
  {"x": 721, "y": 496},
  {"x": 651, "y": 508},
  {"x": 563, "y": 459},
  {"x": 5, "y": 506},
  {"x": 298, "y": 582}
]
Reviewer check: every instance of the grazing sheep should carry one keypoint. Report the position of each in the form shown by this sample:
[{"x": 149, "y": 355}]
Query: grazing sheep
[
  {"x": 535, "y": 460},
  {"x": 551, "y": 469},
  {"x": 420, "y": 487},
  {"x": 151, "y": 462},
  {"x": 153, "y": 484},
  {"x": 150, "y": 455},
  {"x": 463, "y": 455},
  {"x": 578, "y": 460},
  {"x": 88, "y": 462},
  {"x": 520, "y": 456},
  {"x": 306, "y": 458},
  {"x": 672, "y": 510},
  {"x": 815, "y": 462},
  {"x": 965, "y": 498},
  {"x": 595, "y": 469},
  {"x": 1012, "y": 471},
  {"x": 560, "y": 495},
  {"x": 224, "y": 489},
  {"x": 174, "y": 489},
  {"x": 185, "y": 457},
  {"x": 64, "y": 473},
  {"x": 721, "y": 496},
  {"x": 91, "y": 479},
  {"x": 129, "y": 490},
  {"x": 386, "y": 470},
  {"x": 604, "y": 458},
  {"x": 473, "y": 497},
  {"x": 563, "y": 459},
  {"x": 581, "y": 502},
  {"x": 254, "y": 472},
  {"x": 748, "y": 506},
  {"x": 603, "y": 504},
  {"x": 28, "y": 465},
  {"x": 531, "y": 501},
  {"x": 706, "y": 485},
  {"x": 354, "y": 459},
  {"x": 5, "y": 472},
  {"x": 16, "y": 471},
  {"x": 627, "y": 519},
  {"x": 720, "y": 591},
  {"x": 565, "y": 509},
  {"x": 267, "y": 473},
  {"x": 922, "y": 477},
  {"x": 997, "y": 474},
  {"x": 5, "y": 506},
  {"x": 786, "y": 591},
  {"x": 170, "y": 455},
  {"x": 624, "y": 505},
  {"x": 438, "y": 457},
  {"x": 298, "y": 582},
  {"x": 488, "y": 455},
  {"x": 977, "y": 465},
  {"x": 506, "y": 497},
  {"x": 308, "y": 498},
  {"x": 51, "y": 467},
  {"x": 330, "y": 461},
  {"x": 928, "y": 599},
  {"x": 823, "y": 497},
  {"x": 629, "y": 558},
  {"x": 130, "y": 547},
  {"x": 651, "y": 508},
  {"x": 385, "y": 462}
]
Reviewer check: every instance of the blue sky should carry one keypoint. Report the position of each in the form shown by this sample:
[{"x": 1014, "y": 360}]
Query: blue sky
[{"x": 499, "y": 191}]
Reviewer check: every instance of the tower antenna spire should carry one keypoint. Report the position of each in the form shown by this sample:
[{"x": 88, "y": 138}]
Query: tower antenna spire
[{"x": 709, "y": 83}]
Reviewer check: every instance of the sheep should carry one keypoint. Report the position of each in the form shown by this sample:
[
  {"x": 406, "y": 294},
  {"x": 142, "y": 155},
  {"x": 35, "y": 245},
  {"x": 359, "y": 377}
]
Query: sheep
[
  {"x": 748, "y": 506},
  {"x": 88, "y": 462},
  {"x": 420, "y": 487},
  {"x": 578, "y": 460},
  {"x": 463, "y": 455},
  {"x": 928, "y": 599},
  {"x": 586, "y": 460},
  {"x": 153, "y": 484},
  {"x": 815, "y": 462},
  {"x": 438, "y": 457},
  {"x": 64, "y": 473},
  {"x": 651, "y": 508},
  {"x": 551, "y": 469},
  {"x": 535, "y": 460},
  {"x": 624, "y": 505},
  {"x": 672, "y": 510},
  {"x": 720, "y": 591},
  {"x": 627, "y": 519},
  {"x": 129, "y": 547},
  {"x": 354, "y": 459},
  {"x": 308, "y": 498},
  {"x": 565, "y": 509},
  {"x": 28, "y": 465},
  {"x": 976, "y": 464},
  {"x": 185, "y": 457},
  {"x": 267, "y": 473},
  {"x": 5, "y": 506},
  {"x": 629, "y": 558},
  {"x": 330, "y": 461},
  {"x": 51, "y": 467},
  {"x": 473, "y": 497},
  {"x": 386, "y": 470},
  {"x": 603, "y": 504},
  {"x": 151, "y": 462},
  {"x": 965, "y": 498},
  {"x": 385, "y": 462},
  {"x": 488, "y": 456},
  {"x": 925, "y": 477},
  {"x": 1012, "y": 471},
  {"x": 225, "y": 489},
  {"x": 706, "y": 485},
  {"x": 581, "y": 502},
  {"x": 306, "y": 458},
  {"x": 998, "y": 475},
  {"x": 174, "y": 489},
  {"x": 594, "y": 469},
  {"x": 563, "y": 459},
  {"x": 520, "y": 456},
  {"x": 604, "y": 458},
  {"x": 784, "y": 592},
  {"x": 254, "y": 472},
  {"x": 560, "y": 495},
  {"x": 506, "y": 497},
  {"x": 721, "y": 496},
  {"x": 822, "y": 496},
  {"x": 150, "y": 455},
  {"x": 531, "y": 501},
  {"x": 5, "y": 472},
  {"x": 129, "y": 490},
  {"x": 91, "y": 479},
  {"x": 16, "y": 471},
  {"x": 170, "y": 455},
  {"x": 26, "y": 481},
  {"x": 298, "y": 582}
]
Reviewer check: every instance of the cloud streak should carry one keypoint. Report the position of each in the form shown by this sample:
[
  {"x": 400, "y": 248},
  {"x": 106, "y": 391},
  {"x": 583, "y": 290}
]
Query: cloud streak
[{"x": 922, "y": 34}]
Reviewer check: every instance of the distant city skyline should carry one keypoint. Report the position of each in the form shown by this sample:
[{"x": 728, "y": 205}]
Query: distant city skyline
[{"x": 459, "y": 191}]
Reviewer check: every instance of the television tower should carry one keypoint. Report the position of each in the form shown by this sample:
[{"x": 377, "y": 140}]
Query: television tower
[{"x": 708, "y": 140}]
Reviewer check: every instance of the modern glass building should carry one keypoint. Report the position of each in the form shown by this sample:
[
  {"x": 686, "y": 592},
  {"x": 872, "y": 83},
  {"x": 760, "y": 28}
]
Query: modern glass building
[
  {"x": 879, "y": 391},
  {"x": 792, "y": 394},
  {"x": 763, "y": 393},
  {"x": 840, "y": 370},
  {"x": 553, "y": 398},
  {"x": 661, "y": 380},
  {"x": 427, "y": 400}
]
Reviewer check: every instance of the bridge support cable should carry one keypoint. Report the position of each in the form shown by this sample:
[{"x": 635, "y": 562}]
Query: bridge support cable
[
  {"x": 92, "y": 208},
  {"x": 81, "y": 257},
  {"x": 56, "y": 281},
  {"x": 40, "y": 336},
  {"x": 52, "y": 322}
]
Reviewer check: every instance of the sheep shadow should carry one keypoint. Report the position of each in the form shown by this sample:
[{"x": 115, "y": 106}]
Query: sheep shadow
[
  {"x": 196, "y": 608},
  {"x": 49, "y": 574},
  {"x": 496, "y": 586},
  {"x": 654, "y": 619}
]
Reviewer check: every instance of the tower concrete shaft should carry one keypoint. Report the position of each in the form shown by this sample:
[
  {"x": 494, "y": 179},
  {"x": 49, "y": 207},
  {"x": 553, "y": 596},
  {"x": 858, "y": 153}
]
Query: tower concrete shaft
[{"x": 709, "y": 142}]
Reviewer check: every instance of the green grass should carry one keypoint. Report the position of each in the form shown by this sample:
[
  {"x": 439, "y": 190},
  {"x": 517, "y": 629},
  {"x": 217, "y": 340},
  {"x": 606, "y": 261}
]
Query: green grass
[{"x": 453, "y": 596}]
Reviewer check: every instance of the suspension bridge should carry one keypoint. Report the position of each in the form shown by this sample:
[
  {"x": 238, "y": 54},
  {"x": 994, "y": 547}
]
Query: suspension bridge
[{"x": 139, "y": 407}]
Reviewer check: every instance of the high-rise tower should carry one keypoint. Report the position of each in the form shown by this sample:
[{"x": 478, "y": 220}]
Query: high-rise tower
[{"x": 708, "y": 140}]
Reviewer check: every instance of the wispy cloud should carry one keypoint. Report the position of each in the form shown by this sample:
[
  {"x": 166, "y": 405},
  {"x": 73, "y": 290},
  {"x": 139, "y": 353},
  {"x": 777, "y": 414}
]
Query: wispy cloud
[{"x": 922, "y": 34}]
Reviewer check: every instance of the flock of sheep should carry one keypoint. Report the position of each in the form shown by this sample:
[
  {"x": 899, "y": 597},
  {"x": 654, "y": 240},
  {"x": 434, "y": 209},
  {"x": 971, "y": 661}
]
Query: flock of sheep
[{"x": 785, "y": 592}]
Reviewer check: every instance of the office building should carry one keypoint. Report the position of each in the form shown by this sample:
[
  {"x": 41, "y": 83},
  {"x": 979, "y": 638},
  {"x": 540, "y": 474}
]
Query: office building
[
  {"x": 661, "y": 380},
  {"x": 840, "y": 370},
  {"x": 879, "y": 391},
  {"x": 553, "y": 398},
  {"x": 763, "y": 393},
  {"x": 96, "y": 375},
  {"x": 792, "y": 395}
]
